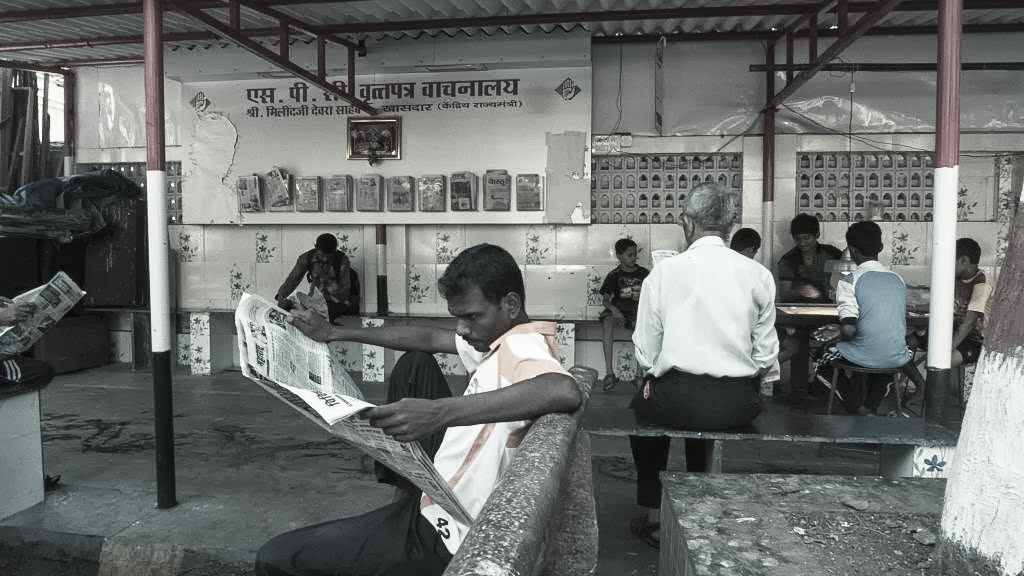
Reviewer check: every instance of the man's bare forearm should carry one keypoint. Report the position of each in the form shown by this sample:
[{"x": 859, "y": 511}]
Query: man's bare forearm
[
  {"x": 522, "y": 401},
  {"x": 421, "y": 338}
]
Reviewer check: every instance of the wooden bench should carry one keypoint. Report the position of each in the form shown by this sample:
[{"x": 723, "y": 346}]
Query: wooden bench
[
  {"x": 541, "y": 519},
  {"x": 21, "y": 449},
  {"x": 909, "y": 447}
]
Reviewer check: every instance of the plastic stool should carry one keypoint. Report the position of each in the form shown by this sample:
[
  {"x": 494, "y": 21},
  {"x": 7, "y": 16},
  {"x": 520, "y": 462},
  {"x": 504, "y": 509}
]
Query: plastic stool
[{"x": 840, "y": 364}]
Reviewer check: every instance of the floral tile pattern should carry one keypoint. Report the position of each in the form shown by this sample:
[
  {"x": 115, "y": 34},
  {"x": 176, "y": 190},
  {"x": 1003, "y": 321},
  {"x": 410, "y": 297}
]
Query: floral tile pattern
[
  {"x": 904, "y": 248},
  {"x": 1006, "y": 198},
  {"x": 267, "y": 245},
  {"x": 450, "y": 364},
  {"x": 199, "y": 346},
  {"x": 965, "y": 204},
  {"x": 594, "y": 280},
  {"x": 189, "y": 245},
  {"x": 373, "y": 356},
  {"x": 565, "y": 339},
  {"x": 421, "y": 284},
  {"x": 349, "y": 244},
  {"x": 448, "y": 242},
  {"x": 933, "y": 462},
  {"x": 539, "y": 245},
  {"x": 239, "y": 280},
  {"x": 624, "y": 360},
  {"x": 348, "y": 354},
  {"x": 183, "y": 353}
]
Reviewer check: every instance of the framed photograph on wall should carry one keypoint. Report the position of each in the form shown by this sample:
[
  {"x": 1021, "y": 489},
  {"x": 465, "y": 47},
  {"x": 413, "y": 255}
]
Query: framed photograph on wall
[{"x": 374, "y": 139}]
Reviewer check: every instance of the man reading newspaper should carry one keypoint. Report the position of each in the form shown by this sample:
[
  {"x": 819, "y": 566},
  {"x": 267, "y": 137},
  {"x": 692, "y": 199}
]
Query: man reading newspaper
[
  {"x": 20, "y": 369},
  {"x": 24, "y": 320},
  {"x": 515, "y": 377}
]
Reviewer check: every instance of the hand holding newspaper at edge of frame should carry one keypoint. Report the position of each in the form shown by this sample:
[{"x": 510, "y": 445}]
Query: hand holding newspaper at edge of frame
[
  {"x": 52, "y": 301},
  {"x": 302, "y": 373}
]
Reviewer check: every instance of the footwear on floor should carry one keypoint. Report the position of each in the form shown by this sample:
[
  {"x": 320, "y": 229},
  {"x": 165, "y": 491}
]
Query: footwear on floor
[
  {"x": 645, "y": 530},
  {"x": 609, "y": 382}
]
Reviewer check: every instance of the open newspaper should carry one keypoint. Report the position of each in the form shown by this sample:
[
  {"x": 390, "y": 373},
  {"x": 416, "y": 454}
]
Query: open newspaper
[
  {"x": 52, "y": 301},
  {"x": 302, "y": 373}
]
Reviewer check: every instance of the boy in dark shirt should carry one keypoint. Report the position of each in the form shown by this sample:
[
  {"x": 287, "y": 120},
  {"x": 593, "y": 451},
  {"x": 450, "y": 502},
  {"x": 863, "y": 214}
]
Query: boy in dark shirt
[
  {"x": 801, "y": 271},
  {"x": 329, "y": 270},
  {"x": 620, "y": 294}
]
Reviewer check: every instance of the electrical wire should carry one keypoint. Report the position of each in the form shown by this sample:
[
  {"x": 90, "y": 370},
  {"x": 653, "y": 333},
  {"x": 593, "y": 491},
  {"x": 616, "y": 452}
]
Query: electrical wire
[{"x": 618, "y": 96}]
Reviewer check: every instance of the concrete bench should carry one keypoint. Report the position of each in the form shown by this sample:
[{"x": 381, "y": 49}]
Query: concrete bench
[
  {"x": 21, "y": 449},
  {"x": 909, "y": 447},
  {"x": 723, "y": 525},
  {"x": 542, "y": 519}
]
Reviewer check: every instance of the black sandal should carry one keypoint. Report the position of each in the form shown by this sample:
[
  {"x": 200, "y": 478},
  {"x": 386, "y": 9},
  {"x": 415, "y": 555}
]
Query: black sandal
[{"x": 644, "y": 530}]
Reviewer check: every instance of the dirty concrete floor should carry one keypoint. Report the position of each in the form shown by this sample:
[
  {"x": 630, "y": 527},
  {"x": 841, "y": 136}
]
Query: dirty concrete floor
[{"x": 248, "y": 467}]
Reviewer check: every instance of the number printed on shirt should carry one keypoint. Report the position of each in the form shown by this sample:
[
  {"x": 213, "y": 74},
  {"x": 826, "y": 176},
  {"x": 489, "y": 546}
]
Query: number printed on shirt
[{"x": 442, "y": 528}]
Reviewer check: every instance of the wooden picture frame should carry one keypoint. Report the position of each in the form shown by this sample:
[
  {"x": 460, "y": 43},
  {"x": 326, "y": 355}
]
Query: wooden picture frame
[{"x": 374, "y": 139}]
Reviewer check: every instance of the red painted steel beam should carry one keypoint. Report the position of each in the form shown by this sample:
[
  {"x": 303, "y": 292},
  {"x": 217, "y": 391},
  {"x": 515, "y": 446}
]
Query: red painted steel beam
[
  {"x": 301, "y": 26},
  {"x": 283, "y": 63},
  {"x": 865, "y": 23},
  {"x": 108, "y": 41},
  {"x": 550, "y": 18},
  {"x": 891, "y": 66}
]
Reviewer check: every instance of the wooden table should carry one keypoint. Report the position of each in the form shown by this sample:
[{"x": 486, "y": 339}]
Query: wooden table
[{"x": 803, "y": 319}]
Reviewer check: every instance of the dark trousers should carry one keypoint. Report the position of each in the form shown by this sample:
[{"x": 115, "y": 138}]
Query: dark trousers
[
  {"x": 691, "y": 402},
  {"x": 866, "y": 390},
  {"x": 391, "y": 541},
  {"x": 336, "y": 309},
  {"x": 24, "y": 370}
]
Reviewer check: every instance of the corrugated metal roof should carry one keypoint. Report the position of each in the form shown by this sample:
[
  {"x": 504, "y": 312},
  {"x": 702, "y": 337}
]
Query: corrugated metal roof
[{"x": 70, "y": 32}]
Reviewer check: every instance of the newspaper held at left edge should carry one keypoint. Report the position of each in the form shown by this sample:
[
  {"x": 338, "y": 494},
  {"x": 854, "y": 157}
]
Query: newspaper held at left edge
[{"x": 52, "y": 301}]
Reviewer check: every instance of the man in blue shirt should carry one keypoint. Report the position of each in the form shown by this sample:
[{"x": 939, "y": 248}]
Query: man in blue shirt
[{"x": 872, "y": 302}]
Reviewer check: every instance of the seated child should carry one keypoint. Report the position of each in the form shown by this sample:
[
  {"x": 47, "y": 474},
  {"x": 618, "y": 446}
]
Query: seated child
[
  {"x": 620, "y": 294},
  {"x": 746, "y": 241},
  {"x": 972, "y": 306},
  {"x": 872, "y": 302}
]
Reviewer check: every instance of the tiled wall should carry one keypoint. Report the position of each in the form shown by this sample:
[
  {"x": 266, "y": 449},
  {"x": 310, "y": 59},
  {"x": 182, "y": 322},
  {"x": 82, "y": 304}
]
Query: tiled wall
[{"x": 564, "y": 264}]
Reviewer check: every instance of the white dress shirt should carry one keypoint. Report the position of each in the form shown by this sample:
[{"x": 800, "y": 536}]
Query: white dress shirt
[{"x": 709, "y": 310}]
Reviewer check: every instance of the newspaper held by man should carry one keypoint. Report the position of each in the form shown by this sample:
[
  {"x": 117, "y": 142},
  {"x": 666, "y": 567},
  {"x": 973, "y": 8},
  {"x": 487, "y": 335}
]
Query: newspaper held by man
[
  {"x": 51, "y": 302},
  {"x": 302, "y": 372}
]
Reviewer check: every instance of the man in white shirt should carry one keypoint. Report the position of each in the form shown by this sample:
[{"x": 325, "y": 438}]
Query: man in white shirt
[
  {"x": 705, "y": 333},
  {"x": 515, "y": 377}
]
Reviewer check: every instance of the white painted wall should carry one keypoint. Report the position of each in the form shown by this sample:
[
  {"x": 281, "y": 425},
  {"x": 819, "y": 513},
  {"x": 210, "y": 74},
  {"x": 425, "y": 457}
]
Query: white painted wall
[{"x": 710, "y": 102}]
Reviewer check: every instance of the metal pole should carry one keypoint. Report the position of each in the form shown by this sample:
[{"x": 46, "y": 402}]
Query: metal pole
[
  {"x": 69, "y": 123},
  {"x": 159, "y": 271},
  {"x": 382, "y": 270},
  {"x": 947, "y": 169}
]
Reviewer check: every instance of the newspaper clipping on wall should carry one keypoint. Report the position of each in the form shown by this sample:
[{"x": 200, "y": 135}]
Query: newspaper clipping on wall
[
  {"x": 52, "y": 301},
  {"x": 302, "y": 373}
]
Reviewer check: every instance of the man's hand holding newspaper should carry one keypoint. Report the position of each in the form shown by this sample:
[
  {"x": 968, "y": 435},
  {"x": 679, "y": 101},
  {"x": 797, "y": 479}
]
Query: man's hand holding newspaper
[
  {"x": 301, "y": 372},
  {"x": 25, "y": 318}
]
